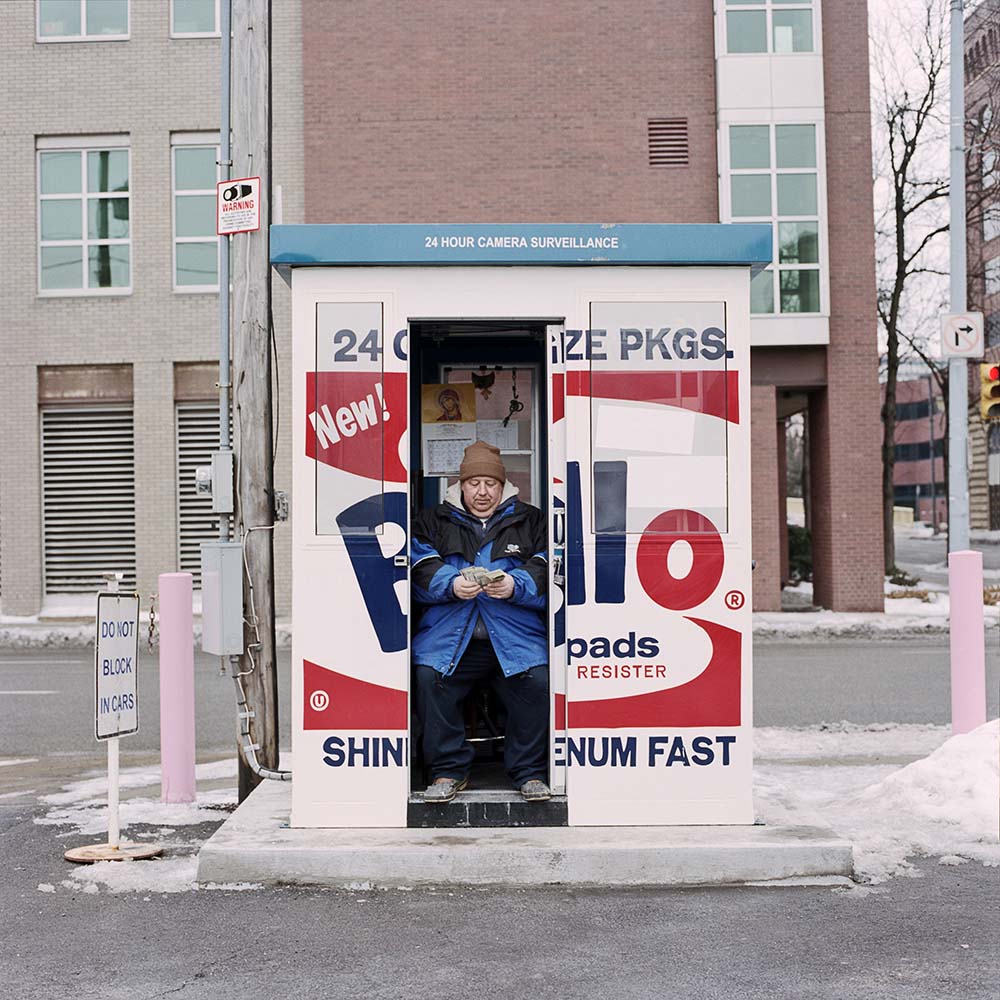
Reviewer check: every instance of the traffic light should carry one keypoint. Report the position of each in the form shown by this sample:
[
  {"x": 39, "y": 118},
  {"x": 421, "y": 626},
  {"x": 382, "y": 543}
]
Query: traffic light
[{"x": 989, "y": 391}]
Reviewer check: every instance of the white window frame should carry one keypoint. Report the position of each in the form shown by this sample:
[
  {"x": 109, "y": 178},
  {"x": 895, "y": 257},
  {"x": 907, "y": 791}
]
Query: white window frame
[
  {"x": 774, "y": 220},
  {"x": 83, "y": 37},
  {"x": 768, "y": 7},
  {"x": 202, "y": 140},
  {"x": 197, "y": 34},
  {"x": 83, "y": 145}
]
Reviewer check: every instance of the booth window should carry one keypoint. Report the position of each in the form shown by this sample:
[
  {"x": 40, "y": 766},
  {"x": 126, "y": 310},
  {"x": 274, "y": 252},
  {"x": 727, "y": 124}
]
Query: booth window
[
  {"x": 346, "y": 414},
  {"x": 196, "y": 244},
  {"x": 660, "y": 395},
  {"x": 194, "y": 18},
  {"x": 774, "y": 178},
  {"x": 81, "y": 20},
  {"x": 777, "y": 27},
  {"x": 84, "y": 227}
]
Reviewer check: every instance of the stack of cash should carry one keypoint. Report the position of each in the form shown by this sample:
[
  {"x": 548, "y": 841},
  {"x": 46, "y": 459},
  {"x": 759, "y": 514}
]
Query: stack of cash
[{"x": 477, "y": 574}]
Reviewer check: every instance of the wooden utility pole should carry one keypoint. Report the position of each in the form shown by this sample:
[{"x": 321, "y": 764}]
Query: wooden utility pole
[{"x": 251, "y": 303}]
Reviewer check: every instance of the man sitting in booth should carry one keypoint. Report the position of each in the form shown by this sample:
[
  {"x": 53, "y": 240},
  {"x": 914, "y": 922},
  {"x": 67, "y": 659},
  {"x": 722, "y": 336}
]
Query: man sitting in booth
[{"x": 486, "y": 624}]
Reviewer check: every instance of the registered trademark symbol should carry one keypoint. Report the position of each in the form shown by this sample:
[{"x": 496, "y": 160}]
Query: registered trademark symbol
[
  {"x": 735, "y": 600},
  {"x": 318, "y": 700}
]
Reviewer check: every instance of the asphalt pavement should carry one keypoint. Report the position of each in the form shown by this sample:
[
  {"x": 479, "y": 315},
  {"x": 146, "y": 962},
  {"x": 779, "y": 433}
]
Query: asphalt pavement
[
  {"x": 927, "y": 558},
  {"x": 933, "y": 936}
]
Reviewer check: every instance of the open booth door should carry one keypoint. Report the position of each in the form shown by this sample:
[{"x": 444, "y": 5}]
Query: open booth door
[
  {"x": 556, "y": 425},
  {"x": 350, "y": 652}
]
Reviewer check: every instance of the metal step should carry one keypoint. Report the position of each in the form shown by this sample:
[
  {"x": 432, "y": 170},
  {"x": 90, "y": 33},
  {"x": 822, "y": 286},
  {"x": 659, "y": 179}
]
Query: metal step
[{"x": 485, "y": 808}]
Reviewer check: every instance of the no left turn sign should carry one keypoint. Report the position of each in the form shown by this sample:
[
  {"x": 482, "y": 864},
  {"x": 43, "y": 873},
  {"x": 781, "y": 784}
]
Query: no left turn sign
[{"x": 962, "y": 335}]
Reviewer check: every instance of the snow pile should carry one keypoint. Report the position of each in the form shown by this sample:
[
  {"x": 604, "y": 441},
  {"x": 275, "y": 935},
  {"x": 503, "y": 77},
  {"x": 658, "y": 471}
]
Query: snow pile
[
  {"x": 946, "y": 803},
  {"x": 82, "y": 808},
  {"x": 83, "y": 805}
]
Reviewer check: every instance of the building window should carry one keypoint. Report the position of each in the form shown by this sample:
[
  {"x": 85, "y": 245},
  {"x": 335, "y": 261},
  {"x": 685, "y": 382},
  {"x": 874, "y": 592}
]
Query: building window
[
  {"x": 81, "y": 20},
  {"x": 197, "y": 18},
  {"x": 775, "y": 26},
  {"x": 84, "y": 231},
  {"x": 196, "y": 245},
  {"x": 773, "y": 177},
  {"x": 988, "y": 169},
  {"x": 991, "y": 222},
  {"x": 993, "y": 276}
]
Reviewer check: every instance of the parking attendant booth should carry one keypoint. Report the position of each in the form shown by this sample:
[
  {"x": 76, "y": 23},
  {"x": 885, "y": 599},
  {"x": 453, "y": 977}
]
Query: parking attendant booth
[{"x": 610, "y": 364}]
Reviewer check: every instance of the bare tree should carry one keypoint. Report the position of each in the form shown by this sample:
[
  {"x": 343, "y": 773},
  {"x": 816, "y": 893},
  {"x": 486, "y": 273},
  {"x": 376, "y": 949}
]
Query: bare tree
[{"x": 910, "y": 65}]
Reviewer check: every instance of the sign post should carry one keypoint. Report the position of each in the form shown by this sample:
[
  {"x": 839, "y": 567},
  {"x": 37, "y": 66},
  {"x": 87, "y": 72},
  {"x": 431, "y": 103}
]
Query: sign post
[{"x": 116, "y": 709}]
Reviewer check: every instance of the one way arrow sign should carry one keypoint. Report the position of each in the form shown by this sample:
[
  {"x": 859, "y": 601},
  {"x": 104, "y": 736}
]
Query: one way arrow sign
[{"x": 962, "y": 335}]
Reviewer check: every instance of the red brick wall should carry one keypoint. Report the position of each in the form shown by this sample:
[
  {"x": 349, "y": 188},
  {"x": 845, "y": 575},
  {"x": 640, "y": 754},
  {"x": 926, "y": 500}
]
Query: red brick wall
[
  {"x": 477, "y": 112},
  {"x": 764, "y": 496},
  {"x": 844, "y": 420}
]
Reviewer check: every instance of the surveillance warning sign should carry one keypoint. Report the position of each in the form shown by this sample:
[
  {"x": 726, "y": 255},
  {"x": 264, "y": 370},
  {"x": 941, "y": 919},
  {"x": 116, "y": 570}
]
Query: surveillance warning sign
[{"x": 238, "y": 206}]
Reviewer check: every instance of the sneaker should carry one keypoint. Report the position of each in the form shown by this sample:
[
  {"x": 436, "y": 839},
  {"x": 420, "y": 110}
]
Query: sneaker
[
  {"x": 444, "y": 789},
  {"x": 535, "y": 790}
]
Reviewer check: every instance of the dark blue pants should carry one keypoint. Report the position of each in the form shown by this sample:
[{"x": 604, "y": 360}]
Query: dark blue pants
[{"x": 525, "y": 696}]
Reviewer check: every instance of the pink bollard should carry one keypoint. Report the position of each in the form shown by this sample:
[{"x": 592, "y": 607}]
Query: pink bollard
[
  {"x": 968, "y": 647},
  {"x": 177, "y": 745}
]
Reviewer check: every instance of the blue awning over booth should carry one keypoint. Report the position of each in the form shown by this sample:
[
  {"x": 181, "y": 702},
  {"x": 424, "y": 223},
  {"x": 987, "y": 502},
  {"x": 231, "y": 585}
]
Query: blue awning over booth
[{"x": 712, "y": 245}]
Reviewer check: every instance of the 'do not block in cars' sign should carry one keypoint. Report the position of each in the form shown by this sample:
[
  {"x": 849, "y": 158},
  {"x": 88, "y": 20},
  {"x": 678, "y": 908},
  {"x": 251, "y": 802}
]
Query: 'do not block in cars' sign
[{"x": 115, "y": 651}]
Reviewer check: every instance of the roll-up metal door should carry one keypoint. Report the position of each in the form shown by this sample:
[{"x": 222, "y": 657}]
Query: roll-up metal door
[
  {"x": 88, "y": 497},
  {"x": 197, "y": 437}
]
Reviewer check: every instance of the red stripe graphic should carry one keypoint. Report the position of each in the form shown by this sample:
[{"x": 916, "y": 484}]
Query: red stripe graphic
[
  {"x": 713, "y": 392},
  {"x": 711, "y": 699},
  {"x": 558, "y": 396},
  {"x": 560, "y": 713},
  {"x": 348, "y": 703}
]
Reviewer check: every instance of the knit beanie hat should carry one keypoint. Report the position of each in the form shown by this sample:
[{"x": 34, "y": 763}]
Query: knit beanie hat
[{"x": 482, "y": 459}]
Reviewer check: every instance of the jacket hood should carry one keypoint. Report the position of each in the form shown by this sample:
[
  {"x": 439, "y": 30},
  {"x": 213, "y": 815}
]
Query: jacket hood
[{"x": 454, "y": 495}]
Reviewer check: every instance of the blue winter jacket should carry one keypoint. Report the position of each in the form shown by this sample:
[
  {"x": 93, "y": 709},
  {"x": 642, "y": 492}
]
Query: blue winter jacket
[{"x": 447, "y": 538}]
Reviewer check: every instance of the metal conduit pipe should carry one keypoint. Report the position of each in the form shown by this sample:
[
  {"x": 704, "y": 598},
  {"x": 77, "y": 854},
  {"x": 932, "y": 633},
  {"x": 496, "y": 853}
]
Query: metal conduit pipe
[{"x": 244, "y": 715}]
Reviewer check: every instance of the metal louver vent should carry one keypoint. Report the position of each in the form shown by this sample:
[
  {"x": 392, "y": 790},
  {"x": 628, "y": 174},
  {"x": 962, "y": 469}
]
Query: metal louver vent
[
  {"x": 668, "y": 142},
  {"x": 197, "y": 437},
  {"x": 88, "y": 497}
]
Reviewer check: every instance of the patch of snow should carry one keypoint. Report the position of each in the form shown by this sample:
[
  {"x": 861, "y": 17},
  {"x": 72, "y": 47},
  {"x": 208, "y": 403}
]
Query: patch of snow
[
  {"x": 846, "y": 740},
  {"x": 952, "y": 859},
  {"x": 82, "y": 805},
  {"x": 163, "y": 875},
  {"x": 944, "y": 804},
  {"x": 46, "y": 887},
  {"x": 11, "y": 761}
]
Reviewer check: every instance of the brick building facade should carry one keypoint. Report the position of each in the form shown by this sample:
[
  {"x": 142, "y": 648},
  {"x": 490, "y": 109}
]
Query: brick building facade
[
  {"x": 549, "y": 112},
  {"x": 982, "y": 104},
  {"x": 110, "y": 378}
]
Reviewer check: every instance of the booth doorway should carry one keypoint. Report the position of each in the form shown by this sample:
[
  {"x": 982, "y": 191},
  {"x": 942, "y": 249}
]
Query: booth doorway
[{"x": 496, "y": 370}]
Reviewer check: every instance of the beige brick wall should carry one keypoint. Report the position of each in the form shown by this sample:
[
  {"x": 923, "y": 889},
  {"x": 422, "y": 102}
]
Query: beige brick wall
[{"x": 147, "y": 87}]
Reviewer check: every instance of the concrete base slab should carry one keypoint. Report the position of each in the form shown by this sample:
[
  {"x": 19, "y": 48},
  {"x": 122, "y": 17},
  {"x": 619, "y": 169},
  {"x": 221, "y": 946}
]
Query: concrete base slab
[{"x": 256, "y": 845}]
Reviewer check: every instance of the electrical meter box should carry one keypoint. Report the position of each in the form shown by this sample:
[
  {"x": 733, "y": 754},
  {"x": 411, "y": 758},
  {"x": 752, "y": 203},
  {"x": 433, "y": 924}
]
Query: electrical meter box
[
  {"x": 222, "y": 598},
  {"x": 610, "y": 365}
]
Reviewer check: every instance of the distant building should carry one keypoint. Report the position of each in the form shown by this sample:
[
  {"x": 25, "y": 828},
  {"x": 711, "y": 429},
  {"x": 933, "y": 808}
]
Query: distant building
[
  {"x": 982, "y": 108},
  {"x": 920, "y": 433}
]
